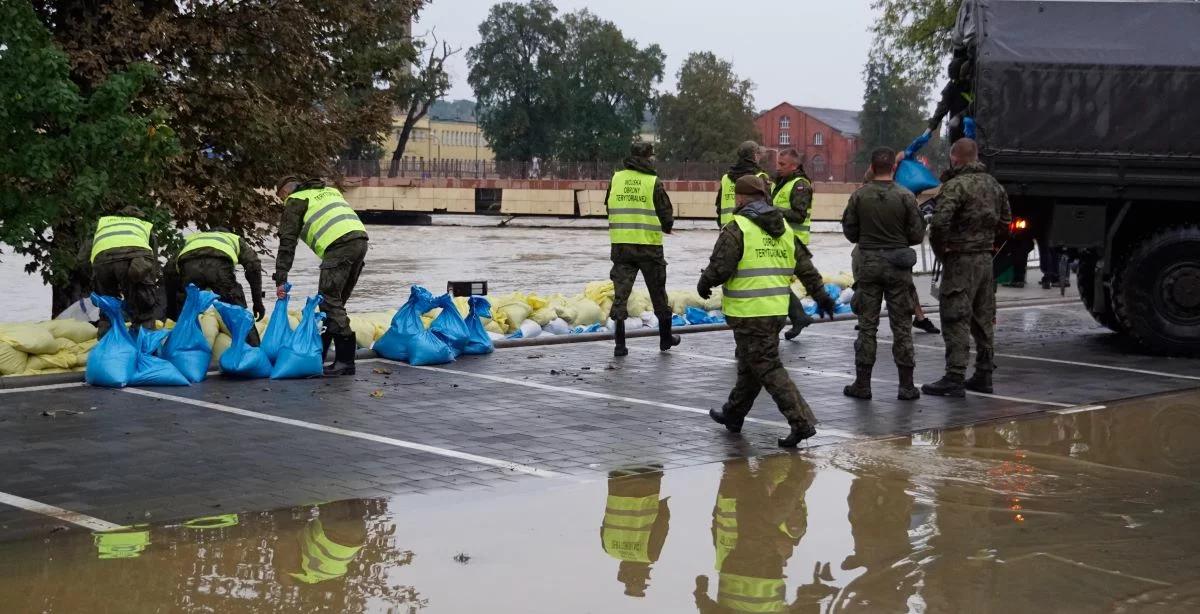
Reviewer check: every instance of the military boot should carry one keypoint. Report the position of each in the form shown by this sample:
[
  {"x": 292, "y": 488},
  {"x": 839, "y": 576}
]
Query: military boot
[
  {"x": 861, "y": 388},
  {"x": 800, "y": 432},
  {"x": 733, "y": 425},
  {"x": 908, "y": 390},
  {"x": 326, "y": 341},
  {"x": 981, "y": 381},
  {"x": 666, "y": 340},
  {"x": 950, "y": 385},
  {"x": 344, "y": 348},
  {"x": 620, "y": 350}
]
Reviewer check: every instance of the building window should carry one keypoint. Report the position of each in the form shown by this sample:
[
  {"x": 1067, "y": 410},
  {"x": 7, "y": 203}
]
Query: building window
[
  {"x": 818, "y": 164},
  {"x": 819, "y": 139},
  {"x": 785, "y": 123},
  {"x": 785, "y": 138}
]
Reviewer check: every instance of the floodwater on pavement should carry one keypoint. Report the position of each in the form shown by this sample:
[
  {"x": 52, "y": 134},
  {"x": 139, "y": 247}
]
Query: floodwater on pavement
[
  {"x": 543, "y": 256},
  {"x": 1092, "y": 511}
]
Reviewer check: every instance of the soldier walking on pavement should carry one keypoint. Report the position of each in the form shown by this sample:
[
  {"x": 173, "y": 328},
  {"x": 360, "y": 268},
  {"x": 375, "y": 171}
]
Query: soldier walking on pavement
[
  {"x": 748, "y": 155},
  {"x": 319, "y": 215},
  {"x": 207, "y": 260},
  {"x": 639, "y": 213},
  {"x": 123, "y": 259},
  {"x": 755, "y": 258},
  {"x": 971, "y": 217},
  {"x": 883, "y": 221},
  {"x": 793, "y": 195}
]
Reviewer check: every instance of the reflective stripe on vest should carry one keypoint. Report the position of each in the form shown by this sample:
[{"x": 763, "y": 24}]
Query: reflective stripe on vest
[
  {"x": 783, "y": 200},
  {"x": 729, "y": 199},
  {"x": 762, "y": 285},
  {"x": 747, "y": 594},
  {"x": 725, "y": 528},
  {"x": 115, "y": 231},
  {"x": 225, "y": 242},
  {"x": 327, "y": 219},
  {"x": 322, "y": 559},
  {"x": 627, "y": 525},
  {"x": 632, "y": 219}
]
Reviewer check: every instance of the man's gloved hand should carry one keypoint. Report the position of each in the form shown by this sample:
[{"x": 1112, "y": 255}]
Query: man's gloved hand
[
  {"x": 703, "y": 290},
  {"x": 280, "y": 292},
  {"x": 826, "y": 307},
  {"x": 260, "y": 311}
]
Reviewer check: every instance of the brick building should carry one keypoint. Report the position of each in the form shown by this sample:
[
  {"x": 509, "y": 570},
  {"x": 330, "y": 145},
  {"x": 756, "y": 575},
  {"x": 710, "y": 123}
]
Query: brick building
[{"x": 828, "y": 138}]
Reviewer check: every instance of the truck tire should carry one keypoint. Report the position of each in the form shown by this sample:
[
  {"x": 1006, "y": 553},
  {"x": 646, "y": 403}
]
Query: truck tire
[
  {"x": 1086, "y": 280},
  {"x": 1157, "y": 296}
]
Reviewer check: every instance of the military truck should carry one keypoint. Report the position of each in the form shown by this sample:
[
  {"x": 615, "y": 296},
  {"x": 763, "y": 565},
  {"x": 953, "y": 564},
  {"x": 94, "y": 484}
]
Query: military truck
[{"x": 1089, "y": 113}]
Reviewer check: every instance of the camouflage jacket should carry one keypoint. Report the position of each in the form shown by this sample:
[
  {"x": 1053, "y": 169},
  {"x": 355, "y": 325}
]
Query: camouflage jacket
[
  {"x": 972, "y": 212},
  {"x": 800, "y": 199},
  {"x": 883, "y": 215},
  {"x": 290, "y": 224},
  {"x": 620, "y": 252}
]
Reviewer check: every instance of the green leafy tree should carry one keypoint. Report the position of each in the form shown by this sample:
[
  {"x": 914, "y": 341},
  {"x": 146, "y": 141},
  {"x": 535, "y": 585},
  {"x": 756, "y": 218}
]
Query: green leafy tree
[
  {"x": 66, "y": 155},
  {"x": 917, "y": 32},
  {"x": 710, "y": 114},
  {"x": 893, "y": 105},
  {"x": 430, "y": 83},
  {"x": 572, "y": 88}
]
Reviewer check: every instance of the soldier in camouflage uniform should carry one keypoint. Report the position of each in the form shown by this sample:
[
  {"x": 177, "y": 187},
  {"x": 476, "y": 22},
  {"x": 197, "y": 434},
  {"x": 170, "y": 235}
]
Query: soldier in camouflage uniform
[
  {"x": 882, "y": 220},
  {"x": 121, "y": 260},
  {"x": 749, "y": 154},
  {"x": 756, "y": 272},
  {"x": 796, "y": 206},
  {"x": 207, "y": 260},
  {"x": 972, "y": 215},
  {"x": 319, "y": 215},
  {"x": 639, "y": 213}
]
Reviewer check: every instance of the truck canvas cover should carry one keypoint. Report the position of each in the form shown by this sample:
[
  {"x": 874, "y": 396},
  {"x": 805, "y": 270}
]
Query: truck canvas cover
[{"x": 1109, "y": 79}]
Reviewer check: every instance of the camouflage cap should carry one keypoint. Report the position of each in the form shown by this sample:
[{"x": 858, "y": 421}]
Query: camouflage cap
[
  {"x": 750, "y": 185},
  {"x": 641, "y": 149}
]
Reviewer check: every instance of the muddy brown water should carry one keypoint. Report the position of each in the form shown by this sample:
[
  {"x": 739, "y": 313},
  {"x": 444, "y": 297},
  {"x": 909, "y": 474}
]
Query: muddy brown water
[{"x": 1087, "y": 512}]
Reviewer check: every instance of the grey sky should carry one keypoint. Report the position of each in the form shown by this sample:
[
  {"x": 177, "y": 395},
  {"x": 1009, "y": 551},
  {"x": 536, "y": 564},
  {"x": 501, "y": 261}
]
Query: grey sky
[{"x": 808, "y": 52}]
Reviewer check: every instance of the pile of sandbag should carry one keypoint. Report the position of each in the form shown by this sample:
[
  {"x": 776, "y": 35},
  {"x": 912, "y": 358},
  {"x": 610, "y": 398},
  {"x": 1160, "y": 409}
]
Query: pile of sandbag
[{"x": 45, "y": 347}]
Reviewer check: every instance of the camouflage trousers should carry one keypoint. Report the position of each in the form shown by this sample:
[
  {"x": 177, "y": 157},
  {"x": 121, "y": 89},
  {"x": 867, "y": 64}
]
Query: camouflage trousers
[
  {"x": 216, "y": 275},
  {"x": 877, "y": 281},
  {"x": 759, "y": 366},
  {"x": 340, "y": 269},
  {"x": 624, "y": 274},
  {"x": 968, "y": 310},
  {"x": 133, "y": 280}
]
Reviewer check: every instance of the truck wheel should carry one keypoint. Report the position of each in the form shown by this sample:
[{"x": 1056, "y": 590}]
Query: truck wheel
[
  {"x": 1158, "y": 296},
  {"x": 1086, "y": 280}
]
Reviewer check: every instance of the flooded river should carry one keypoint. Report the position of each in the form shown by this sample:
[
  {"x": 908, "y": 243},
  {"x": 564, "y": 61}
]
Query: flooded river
[
  {"x": 1093, "y": 511},
  {"x": 542, "y": 256}
]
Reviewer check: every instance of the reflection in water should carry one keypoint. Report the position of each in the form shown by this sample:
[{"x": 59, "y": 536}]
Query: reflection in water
[
  {"x": 1083, "y": 512},
  {"x": 635, "y": 526}
]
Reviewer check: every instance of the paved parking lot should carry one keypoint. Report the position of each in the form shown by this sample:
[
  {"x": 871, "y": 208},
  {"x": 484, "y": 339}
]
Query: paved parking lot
[{"x": 523, "y": 418}]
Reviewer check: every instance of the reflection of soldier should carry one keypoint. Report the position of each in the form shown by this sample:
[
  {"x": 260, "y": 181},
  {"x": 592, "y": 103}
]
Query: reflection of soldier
[
  {"x": 759, "y": 519},
  {"x": 635, "y": 527},
  {"x": 880, "y": 513},
  {"x": 328, "y": 543}
]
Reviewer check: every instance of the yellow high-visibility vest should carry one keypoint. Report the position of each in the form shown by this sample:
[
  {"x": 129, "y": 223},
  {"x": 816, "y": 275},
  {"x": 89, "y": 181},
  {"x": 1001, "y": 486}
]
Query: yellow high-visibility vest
[
  {"x": 327, "y": 218},
  {"x": 321, "y": 558},
  {"x": 632, "y": 219},
  {"x": 627, "y": 525},
  {"x": 729, "y": 199},
  {"x": 783, "y": 200},
  {"x": 225, "y": 242},
  {"x": 748, "y": 594},
  {"x": 121, "y": 545},
  {"x": 115, "y": 231},
  {"x": 762, "y": 285},
  {"x": 725, "y": 528}
]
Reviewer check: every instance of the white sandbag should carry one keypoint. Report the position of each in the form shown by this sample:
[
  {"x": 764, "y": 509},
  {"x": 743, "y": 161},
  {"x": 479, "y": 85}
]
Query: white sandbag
[
  {"x": 557, "y": 326},
  {"x": 846, "y": 296},
  {"x": 650, "y": 320},
  {"x": 530, "y": 329}
]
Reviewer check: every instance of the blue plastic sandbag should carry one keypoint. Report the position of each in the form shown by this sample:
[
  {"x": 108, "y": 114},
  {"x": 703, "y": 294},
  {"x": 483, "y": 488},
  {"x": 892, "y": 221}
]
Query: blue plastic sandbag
[
  {"x": 426, "y": 348},
  {"x": 916, "y": 145},
  {"x": 241, "y": 359},
  {"x": 478, "y": 339},
  {"x": 301, "y": 357},
  {"x": 393, "y": 345},
  {"x": 696, "y": 315},
  {"x": 842, "y": 308},
  {"x": 810, "y": 309},
  {"x": 833, "y": 290},
  {"x": 152, "y": 370},
  {"x": 186, "y": 346},
  {"x": 449, "y": 325},
  {"x": 969, "y": 127},
  {"x": 678, "y": 321},
  {"x": 915, "y": 176},
  {"x": 113, "y": 361},
  {"x": 279, "y": 329},
  {"x": 595, "y": 328}
]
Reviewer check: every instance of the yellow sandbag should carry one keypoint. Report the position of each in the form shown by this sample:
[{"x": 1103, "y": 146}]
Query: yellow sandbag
[
  {"x": 81, "y": 351},
  {"x": 28, "y": 338},
  {"x": 221, "y": 328},
  {"x": 536, "y": 302},
  {"x": 639, "y": 303},
  {"x": 220, "y": 343},
  {"x": 208, "y": 325},
  {"x": 64, "y": 359},
  {"x": 581, "y": 312},
  {"x": 427, "y": 320},
  {"x": 510, "y": 311},
  {"x": 713, "y": 302},
  {"x": 463, "y": 304},
  {"x": 71, "y": 329},
  {"x": 680, "y": 300},
  {"x": 842, "y": 279},
  {"x": 798, "y": 289},
  {"x": 597, "y": 291},
  {"x": 12, "y": 360},
  {"x": 364, "y": 330},
  {"x": 544, "y": 315}
]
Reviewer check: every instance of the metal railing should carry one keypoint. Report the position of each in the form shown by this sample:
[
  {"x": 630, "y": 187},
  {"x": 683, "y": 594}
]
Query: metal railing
[{"x": 552, "y": 170}]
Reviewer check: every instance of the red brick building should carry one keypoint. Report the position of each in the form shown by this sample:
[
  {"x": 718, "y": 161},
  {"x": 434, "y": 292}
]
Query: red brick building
[{"x": 828, "y": 138}]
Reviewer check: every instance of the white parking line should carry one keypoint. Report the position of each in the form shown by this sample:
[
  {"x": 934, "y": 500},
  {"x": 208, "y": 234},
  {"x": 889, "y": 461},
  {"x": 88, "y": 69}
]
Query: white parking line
[
  {"x": 610, "y": 397},
  {"x": 1033, "y": 358},
  {"x": 1078, "y": 410},
  {"x": 399, "y": 443},
  {"x": 75, "y": 518},
  {"x": 42, "y": 388},
  {"x": 836, "y": 374}
]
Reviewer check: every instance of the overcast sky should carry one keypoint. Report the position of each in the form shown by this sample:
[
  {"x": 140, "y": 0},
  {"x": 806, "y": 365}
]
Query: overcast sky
[{"x": 807, "y": 52}]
